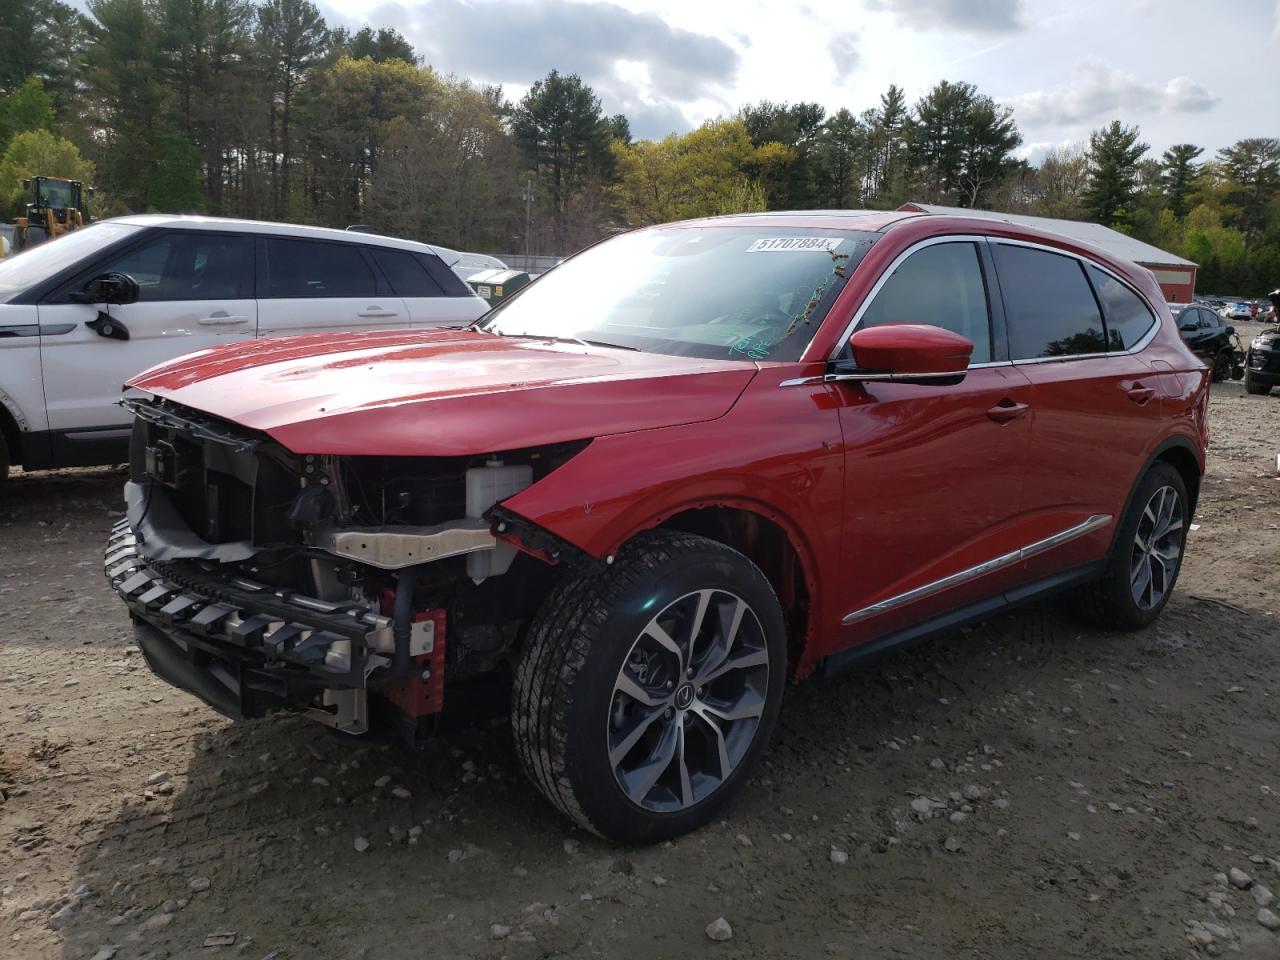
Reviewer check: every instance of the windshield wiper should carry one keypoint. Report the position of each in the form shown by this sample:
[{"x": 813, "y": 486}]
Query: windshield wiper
[{"x": 562, "y": 339}]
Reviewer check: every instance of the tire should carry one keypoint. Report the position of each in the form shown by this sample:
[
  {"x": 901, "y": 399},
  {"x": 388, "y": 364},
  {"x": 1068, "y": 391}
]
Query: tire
[
  {"x": 4, "y": 460},
  {"x": 1222, "y": 367},
  {"x": 1115, "y": 600},
  {"x": 1255, "y": 388},
  {"x": 594, "y": 676}
]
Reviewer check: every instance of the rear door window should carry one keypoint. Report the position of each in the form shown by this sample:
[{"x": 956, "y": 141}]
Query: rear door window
[
  {"x": 1128, "y": 318},
  {"x": 406, "y": 274},
  {"x": 1049, "y": 306},
  {"x": 941, "y": 285},
  {"x": 313, "y": 268}
]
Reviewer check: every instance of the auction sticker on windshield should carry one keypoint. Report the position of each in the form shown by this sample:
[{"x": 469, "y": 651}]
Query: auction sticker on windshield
[{"x": 787, "y": 244}]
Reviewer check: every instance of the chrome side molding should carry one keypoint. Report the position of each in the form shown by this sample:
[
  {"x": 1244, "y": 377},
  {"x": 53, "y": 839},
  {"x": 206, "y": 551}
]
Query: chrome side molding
[{"x": 1095, "y": 522}]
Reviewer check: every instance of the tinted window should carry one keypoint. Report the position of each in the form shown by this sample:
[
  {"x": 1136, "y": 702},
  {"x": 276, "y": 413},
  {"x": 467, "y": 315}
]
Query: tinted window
[
  {"x": 407, "y": 276},
  {"x": 1210, "y": 319},
  {"x": 190, "y": 266},
  {"x": 940, "y": 285},
  {"x": 1128, "y": 318},
  {"x": 308, "y": 268},
  {"x": 1048, "y": 304}
]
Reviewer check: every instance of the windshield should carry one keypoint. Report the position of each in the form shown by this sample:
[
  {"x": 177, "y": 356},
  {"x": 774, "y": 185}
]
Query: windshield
[
  {"x": 59, "y": 194},
  {"x": 743, "y": 293},
  {"x": 21, "y": 271}
]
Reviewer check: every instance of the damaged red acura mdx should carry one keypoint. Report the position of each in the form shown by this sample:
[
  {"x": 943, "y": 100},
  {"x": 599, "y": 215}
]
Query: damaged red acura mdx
[{"x": 632, "y": 501}]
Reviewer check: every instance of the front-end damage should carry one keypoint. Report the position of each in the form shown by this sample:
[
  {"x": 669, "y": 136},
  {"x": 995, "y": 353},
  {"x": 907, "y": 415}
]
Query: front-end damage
[{"x": 262, "y": 580}]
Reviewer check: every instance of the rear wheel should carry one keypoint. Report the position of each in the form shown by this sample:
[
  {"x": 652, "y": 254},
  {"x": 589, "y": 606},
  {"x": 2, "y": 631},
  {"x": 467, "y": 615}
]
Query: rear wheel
[
  {"x": 1146, "y": 555},
  {"x": 1251, "y": 385},
  {"x": 1222, "y": 364},
  {"x": 4, "y": 460},
  {"x": 648, "y": 690}
]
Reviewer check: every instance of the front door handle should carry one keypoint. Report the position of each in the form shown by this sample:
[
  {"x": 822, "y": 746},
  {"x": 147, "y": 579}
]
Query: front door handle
[
  {"x": 1007, "y": 410},
  {"x": 221, "y": 319},
  {"x": 376, "y": 313},
  {"x": 1140, "y": 394}
]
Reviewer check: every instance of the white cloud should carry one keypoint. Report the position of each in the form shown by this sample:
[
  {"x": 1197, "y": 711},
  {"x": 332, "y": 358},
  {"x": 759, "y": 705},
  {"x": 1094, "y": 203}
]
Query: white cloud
[
  {"x": 968, "y": 16},
  {"x": 1098, "y": 92},
  {"x": 843, "y": 48}
]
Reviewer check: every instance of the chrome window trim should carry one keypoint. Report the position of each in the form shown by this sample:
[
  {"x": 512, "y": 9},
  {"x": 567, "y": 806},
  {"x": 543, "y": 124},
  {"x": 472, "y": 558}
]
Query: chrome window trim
[
  {"x": 1094, "y": 522},
  {"x": 1080, "y": 258},
  {"x": 884, "y": 278}
]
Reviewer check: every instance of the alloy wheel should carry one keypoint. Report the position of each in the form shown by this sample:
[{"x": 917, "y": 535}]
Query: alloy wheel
[
  {"x": 1157, "y": 548},
  {"x": 688, "y": 700}
]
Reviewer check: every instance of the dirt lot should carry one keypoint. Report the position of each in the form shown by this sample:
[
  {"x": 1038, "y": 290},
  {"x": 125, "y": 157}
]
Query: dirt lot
[{"x": 1076, "y": 792}]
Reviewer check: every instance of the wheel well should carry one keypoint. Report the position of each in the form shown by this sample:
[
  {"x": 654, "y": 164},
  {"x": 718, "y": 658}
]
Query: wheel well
[
  {"x": 1184, "y": 461},
  {"x": 769, "y": 547},
  {"x": 12, "y": 435}
]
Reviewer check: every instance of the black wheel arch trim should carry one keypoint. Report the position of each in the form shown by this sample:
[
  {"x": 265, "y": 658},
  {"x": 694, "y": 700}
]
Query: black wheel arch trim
[{"x": 1176, "y": 442}]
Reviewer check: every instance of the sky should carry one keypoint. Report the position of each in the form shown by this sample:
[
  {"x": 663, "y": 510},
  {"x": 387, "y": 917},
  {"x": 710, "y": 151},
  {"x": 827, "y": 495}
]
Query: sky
[{"x": 1183, "y": 70}]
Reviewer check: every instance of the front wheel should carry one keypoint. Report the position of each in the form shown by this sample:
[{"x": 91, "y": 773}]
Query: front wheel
[
  {"x": 648, "y": 689},
  {"x": 1146, "y": 555},
  {"x": 1251, "y": 385}
]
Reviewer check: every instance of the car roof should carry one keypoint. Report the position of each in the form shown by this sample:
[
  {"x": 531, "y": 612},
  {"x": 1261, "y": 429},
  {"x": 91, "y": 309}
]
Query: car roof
[
  {"x": 183, "y": 221},
  {"x": 873, "y": 220}
]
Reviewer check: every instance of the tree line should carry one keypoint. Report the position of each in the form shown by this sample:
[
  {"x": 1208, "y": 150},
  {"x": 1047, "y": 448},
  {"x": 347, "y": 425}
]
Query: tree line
[{"x": 261, "y": 109}]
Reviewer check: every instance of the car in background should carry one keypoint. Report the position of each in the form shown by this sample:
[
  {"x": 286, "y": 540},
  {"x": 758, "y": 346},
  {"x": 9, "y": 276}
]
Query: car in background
[
  {"x": 81, "y": 315},
  {"x": 1262, "y": 362},
  {"x": 630, "y": 505},
  {"x": 469, "y": 264},
  {"x": 1210, "y": 338},
  {"x": 1235, "y": 310}
]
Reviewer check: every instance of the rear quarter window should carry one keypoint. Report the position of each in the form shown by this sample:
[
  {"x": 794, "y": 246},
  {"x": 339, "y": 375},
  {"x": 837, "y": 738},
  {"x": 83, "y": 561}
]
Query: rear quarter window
[
  {"x": 1128, "y": 318},
  {"x": 1049, "y": 307},
  {"x": 407, "y": 274}
]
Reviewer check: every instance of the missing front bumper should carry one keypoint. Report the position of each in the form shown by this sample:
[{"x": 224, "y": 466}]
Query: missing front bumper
[{"x": 245, "y": 648}]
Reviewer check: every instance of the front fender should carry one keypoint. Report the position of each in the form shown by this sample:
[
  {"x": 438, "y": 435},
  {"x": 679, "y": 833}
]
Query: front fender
[{"x": 778, "y": 453}]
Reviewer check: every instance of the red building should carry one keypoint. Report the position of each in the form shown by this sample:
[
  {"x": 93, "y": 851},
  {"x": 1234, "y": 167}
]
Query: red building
[{"x": 1176, "y": 276}]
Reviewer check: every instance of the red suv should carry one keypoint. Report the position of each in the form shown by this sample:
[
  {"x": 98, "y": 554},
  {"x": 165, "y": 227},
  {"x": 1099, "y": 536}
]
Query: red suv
[{"x": 635, "y": 498}]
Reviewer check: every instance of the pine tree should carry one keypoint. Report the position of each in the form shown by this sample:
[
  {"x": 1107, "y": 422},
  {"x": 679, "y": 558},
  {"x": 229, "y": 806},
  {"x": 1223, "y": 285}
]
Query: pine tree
[
  {"x": 1114, "y": 152},
  {"x": 291, "y": 39},
  {"x": 1178, "y": 170}
]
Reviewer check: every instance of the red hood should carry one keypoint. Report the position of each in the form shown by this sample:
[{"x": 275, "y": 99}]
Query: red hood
[{"x": 442, "y": 393}]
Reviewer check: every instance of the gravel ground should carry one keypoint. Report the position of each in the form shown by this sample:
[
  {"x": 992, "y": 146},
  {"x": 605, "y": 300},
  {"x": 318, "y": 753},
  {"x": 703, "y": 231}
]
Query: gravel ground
[{"x": 1025, "y": 786}]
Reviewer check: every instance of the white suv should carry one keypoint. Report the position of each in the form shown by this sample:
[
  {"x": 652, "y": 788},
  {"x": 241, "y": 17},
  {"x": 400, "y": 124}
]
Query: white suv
[{"x": 82, "y": 314}]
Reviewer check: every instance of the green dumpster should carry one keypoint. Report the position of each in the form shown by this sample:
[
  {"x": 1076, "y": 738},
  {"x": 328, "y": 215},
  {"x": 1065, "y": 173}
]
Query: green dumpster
[{"x": 494, "y": 286}]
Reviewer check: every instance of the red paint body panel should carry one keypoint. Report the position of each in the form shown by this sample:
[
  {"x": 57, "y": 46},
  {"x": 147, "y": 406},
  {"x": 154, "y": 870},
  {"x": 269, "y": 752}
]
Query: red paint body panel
[
  {"x": 881, "y": 487},
  {"x": 442, "y": 393}
]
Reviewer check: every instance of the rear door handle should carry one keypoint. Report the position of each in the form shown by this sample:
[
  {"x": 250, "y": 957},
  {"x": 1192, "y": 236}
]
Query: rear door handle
[
  {"x": 221, "y": 320},
  {"x": 377, "y": 313},
  {"x": 1140, "y": 394},
  {"x": 1007, "y": 410}
]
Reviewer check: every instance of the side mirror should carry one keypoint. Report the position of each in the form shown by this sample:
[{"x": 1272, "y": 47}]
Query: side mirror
[
  {"x": 1230, "y": 329},
  {"x": 1189, "y": 327},
  {"x": 118, "y": 288},
  {"x": 905, "y": 353}
]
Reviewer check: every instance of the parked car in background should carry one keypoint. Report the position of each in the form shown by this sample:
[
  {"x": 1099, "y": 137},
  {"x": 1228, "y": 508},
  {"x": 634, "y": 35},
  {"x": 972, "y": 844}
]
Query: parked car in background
[
  {"x": 469, "y": 264},
  {"x": 1210, "y": 338},
  {"x": 687, "y": 464},
  {"x": 1236, "y": 310},
  {"x": 81, "y": 315},
  {"x": 1262, "y": 361}
]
